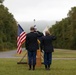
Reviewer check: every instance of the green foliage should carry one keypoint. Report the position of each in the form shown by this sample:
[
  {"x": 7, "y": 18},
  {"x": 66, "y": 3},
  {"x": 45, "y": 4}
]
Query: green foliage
[
  {"x": 1, "y": 1},
  {"x": 65, "y": 31},
  {"x": 8, "y": 29}
]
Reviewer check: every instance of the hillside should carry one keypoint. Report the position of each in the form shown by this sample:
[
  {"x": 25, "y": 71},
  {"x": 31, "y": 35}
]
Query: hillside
[{"x": 40, "y": 25}]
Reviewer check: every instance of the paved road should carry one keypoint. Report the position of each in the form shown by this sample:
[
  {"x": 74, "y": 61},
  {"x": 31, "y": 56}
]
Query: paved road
[{"x": 8, "y": 54}]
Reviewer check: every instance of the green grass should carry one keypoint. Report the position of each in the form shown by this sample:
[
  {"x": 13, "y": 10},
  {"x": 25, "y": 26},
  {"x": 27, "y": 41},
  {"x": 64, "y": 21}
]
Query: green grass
[
  {"x": 58, "y": 67},
  {"x": 63, "y": 53},
  {"x": 58, "y": 53},
  {"x": 9, "y": 66}
]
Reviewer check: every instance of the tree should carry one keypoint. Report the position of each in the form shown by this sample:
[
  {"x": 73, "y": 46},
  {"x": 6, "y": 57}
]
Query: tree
[
  {"x": 8, "y": 29},
  {"x": 1, "y": 1},
  {"x": 65, "y": 31}
]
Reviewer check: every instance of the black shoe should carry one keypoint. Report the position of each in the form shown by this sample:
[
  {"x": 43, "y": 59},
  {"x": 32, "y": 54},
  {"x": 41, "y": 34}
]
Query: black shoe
[
  {"x": 46, "y": 67},
  {"x": 29, "y": 67},
  {"x": 33, "y": 67}
]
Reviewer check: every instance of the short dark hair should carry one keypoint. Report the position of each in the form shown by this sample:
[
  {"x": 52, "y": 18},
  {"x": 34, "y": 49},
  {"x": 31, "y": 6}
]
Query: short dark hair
[
  {"x": 47, "y": 33},
  {"x": 32, "y": 28}
]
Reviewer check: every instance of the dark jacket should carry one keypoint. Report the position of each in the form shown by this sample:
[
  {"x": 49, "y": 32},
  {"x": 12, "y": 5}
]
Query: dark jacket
[
  {"x": 31, "y": 42},
  {"x": 46, "y": 43},
  {"x": 40, "y": 34}
]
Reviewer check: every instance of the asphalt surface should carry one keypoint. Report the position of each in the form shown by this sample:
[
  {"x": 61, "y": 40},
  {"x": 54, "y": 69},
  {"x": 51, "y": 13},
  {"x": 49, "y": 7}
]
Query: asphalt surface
[
  {"x": 8, "y": 54},
  {"x": 11, "y": 54}
]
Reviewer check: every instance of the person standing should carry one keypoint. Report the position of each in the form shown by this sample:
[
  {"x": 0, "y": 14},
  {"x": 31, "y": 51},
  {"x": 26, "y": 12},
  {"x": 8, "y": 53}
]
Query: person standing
[
  {"x": 32, "y": 46},
  {"x": 47, "y": 47}
]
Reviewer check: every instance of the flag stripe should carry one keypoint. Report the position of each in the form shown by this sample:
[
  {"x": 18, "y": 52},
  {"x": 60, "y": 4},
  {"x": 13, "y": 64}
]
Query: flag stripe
[{"x": 20, "y": 39}]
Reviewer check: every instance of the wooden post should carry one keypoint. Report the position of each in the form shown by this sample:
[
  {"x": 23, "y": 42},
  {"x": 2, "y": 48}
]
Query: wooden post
[{"x": 38, "y": 58}]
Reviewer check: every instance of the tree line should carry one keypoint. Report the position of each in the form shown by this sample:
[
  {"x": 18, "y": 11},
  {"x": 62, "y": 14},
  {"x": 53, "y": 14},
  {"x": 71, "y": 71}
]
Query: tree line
[
  {"x": 65, "y": 31},
  {"x": 8, "y": 29}
]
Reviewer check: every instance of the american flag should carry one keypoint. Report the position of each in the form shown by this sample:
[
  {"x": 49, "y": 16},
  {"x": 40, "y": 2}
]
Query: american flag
[
  {"x": 20, "y": 39},
  {"x": 35, "y": 27}
]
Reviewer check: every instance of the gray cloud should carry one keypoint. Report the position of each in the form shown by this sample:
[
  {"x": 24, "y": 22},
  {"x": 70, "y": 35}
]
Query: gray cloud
[{"x": 39, "y": 9}]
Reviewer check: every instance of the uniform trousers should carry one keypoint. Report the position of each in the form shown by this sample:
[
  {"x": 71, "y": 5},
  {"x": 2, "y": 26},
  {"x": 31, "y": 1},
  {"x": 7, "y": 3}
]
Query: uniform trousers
[
  {"x": 47, "y": 58},
  {"x": 32, "y": 57}
]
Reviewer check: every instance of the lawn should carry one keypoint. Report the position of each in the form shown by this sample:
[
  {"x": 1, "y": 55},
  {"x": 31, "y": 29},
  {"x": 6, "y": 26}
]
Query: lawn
[
  {"x": 9, "y": 66},
  {"x": 58, "y": 53},
  {"x": 63, "y": 53}
]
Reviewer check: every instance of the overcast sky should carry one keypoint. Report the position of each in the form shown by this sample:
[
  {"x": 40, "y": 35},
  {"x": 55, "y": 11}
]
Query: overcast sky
[{"x": 27, "y": 10}]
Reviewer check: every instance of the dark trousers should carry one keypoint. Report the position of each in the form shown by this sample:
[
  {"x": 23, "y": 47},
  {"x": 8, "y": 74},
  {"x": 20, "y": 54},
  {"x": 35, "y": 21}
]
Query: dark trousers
[
  {"x": 32, "y": 58},
  {"x": 47, "y": 58}
]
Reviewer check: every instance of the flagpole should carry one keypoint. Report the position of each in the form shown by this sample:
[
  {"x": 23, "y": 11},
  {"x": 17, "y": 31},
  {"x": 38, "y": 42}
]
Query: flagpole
[
  {"x": 34, "y": 21},
  {"x": 38, "y": 57}
]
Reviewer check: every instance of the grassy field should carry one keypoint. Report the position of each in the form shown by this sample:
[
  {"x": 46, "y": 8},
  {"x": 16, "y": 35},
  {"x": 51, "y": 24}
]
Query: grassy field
[
  {"x": 9, "y": 66},
  {"x": 58, "y": 53},
  {"x": 63, "y": 53}
]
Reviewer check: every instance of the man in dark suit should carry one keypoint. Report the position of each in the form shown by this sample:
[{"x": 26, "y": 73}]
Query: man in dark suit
[
  {"x": 46, "y": 45},
  {"x": 32, "y": 46}
]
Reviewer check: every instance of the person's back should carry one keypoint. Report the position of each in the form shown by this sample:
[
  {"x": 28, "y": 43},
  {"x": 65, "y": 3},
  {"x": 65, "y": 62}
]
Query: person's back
[
  {"x": 31, "y": 41},
  {"x": 31, "y": 45},
  {"x": 46, "y": 45}
]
